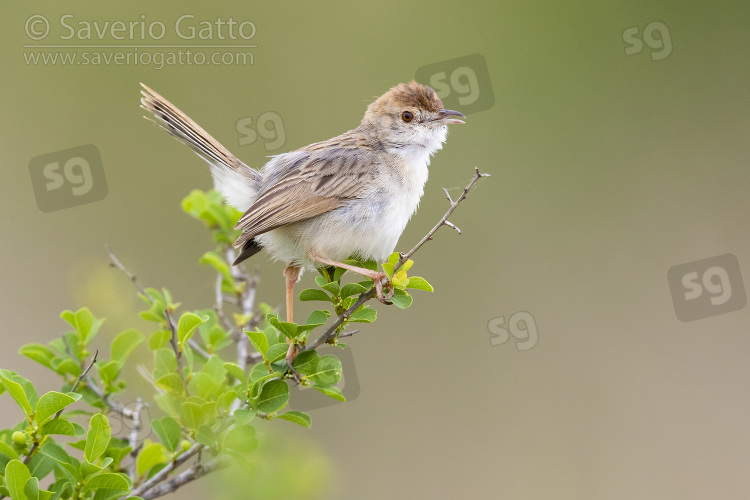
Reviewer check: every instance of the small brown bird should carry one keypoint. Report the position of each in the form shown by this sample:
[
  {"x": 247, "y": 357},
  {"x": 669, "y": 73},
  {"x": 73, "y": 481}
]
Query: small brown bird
[{"x": 349, "y": 196}]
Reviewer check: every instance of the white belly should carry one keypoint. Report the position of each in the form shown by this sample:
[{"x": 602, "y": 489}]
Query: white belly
[{"x": 367, "y": 228}]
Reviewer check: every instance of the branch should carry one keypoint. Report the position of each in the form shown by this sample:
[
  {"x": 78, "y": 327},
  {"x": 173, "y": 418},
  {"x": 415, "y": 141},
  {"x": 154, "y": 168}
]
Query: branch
[
  {"x": 444, "y": 221},
  {"x": 330, "y": 333},
  {"x": 184, "y": 477},
  {"x": 163, "y": 473},
  {"x": 133, "y": 437},
  {"x": 34, "y": 446},
  {"x": 173, "y": 342},
  {"x": 116, "y": 263}
]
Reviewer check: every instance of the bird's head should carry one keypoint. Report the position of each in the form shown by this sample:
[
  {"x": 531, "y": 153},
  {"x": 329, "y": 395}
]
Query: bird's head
[{"x": 410, "y": 115}]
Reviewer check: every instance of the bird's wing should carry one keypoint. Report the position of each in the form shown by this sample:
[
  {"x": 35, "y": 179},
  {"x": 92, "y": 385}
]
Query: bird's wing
[{"x": 312, "y": 182}]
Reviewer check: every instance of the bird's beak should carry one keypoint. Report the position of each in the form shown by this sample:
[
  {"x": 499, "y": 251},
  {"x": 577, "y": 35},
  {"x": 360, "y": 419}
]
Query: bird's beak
[{"x": 444, "y": 117}]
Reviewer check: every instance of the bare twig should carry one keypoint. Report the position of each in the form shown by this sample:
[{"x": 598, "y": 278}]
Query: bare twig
[
  {"x": 184, "y": 477},
  {"x": 163, "y": 473},
  {"x": 347, "y": 334},
  {"x": 444, "y": 220},
  {"x": 330, "y": 333},
  {"x": 133, "y": 436},
  {"x": 119, "y": 408},
  {"x": 116, "y": 263}
]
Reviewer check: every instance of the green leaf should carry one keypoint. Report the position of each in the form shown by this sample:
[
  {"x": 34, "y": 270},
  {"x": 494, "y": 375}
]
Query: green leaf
[
  {"x": 97, "y": 437},
  {"x": 244, "y": 415},
  {"x": 168, "y": 431},
  {"x": 61, "y": 488},
  {"x": 306, "y": 362},
  {"x": 202, "y": 385},
  {"x": 273, "y": 396},
  {"x": 187, "y": 325},
  {"x": 351, "y": 289},
  {"x": 170, "y": 382},
  {"x": 51, "y": 403},
  {"x": 418, "y": 283},
  {"x": 194, "y": 414},
  {"x": 393, "y": 258},
  {"x": 388, "y": 269},
  {"x": 235, "y": 371},
  {"x": 41, "y": 465},
  {"x": 87, "y": 468},
  {"x": 333, "y": 288},
  {"x": 225, "y": 400},
  {"x": 16, "y": 391},
  {"x": 109, "y": 371},
  {"x": 401, "y": 299},
  {"x": 67, "y": 365},
  {"x": 259, "y": 340},
  {"x": 108, "y": 481},
  {"x": 364, "y": 315},
  {"x": 124, "y": 343},
  {"x": 287, "y": 328},
  {"x": 9, "y": 452},
  {"x": 298, "y": 417},
  {"x": 85, "y": 324},
  {"x": 165, "y": 362},
  {"x": 206, "y": 436},
  {"x": 317, "y": 318},
  {"x": 58, "y": 426},
  {"x": 55, "y": 452},
  {"x": 159, "y": 339},
  {"x": 221, "y": 266},
  {"x": 314, "y": 294},
  {"x": 151, "y": 455},
  {"x": 276, "y": 352},
  {"x": 330, "y": 391},
  {"x": 33, "y": 492},
  {"x": 241, "y": 438},
  {"x": 39, "y": 353},
  {"x": 16, "y": 476},
  {"x": 328, "y": 371}
]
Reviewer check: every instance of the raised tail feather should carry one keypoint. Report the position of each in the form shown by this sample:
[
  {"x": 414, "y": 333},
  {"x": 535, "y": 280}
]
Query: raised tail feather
[{"x": 233, "y": 179}]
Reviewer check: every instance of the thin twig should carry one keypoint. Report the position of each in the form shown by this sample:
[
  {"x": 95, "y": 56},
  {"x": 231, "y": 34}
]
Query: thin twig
[
  {"x": 175, "y": 347},
  {"x": 133, "y": 436},
  {"x": 330, "y": 333},
  {"x": 347, "y": 334},
  {"x": 34, "y": 446},
  {"x": 444, "y": 220},
  {"x": 185, "y": 477},
  {"x": 116, "y": 263},
  {"x": 163, "y": 473}
]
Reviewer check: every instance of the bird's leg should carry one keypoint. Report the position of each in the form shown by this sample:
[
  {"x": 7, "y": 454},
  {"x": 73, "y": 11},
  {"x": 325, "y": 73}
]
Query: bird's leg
[
  {"x": 291, "y": 274},
  {"x": 376, "y": 276}
]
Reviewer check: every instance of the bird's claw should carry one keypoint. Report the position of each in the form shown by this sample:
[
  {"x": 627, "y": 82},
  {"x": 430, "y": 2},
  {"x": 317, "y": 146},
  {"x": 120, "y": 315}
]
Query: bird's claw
[
  {"x": 290, "y": 355},
  {"x": 378, "y": 280}
]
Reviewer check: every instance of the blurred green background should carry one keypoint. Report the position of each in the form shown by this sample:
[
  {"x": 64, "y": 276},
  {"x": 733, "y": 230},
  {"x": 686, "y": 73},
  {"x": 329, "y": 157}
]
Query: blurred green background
[{"x": 607, "y": 170}]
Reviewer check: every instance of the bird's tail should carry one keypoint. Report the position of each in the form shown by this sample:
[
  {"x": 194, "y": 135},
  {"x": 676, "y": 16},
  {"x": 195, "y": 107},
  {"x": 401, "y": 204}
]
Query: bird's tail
[{"x": 233, "y": 179}]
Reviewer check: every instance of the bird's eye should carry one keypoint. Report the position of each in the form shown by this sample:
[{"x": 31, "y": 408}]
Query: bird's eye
[{"x": 407, "y": 116}]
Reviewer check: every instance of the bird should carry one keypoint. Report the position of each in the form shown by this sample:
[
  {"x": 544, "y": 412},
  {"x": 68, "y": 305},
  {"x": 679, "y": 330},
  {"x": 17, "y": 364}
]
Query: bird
[{"x": 350, "y": 196}]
